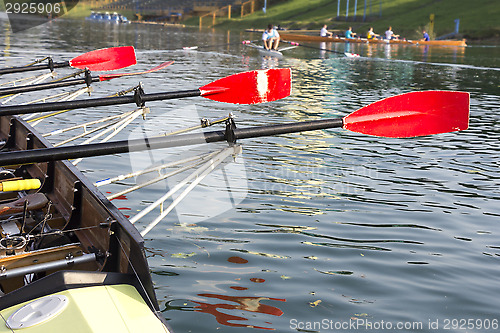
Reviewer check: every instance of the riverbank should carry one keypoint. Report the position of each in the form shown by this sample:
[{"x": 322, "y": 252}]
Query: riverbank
[
  {"x": 408, "y": 18},
  {"x": 478, "y": 24}
]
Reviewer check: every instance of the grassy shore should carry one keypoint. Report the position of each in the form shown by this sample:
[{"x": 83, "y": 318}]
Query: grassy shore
[
  {"x": 82, "y": 10},
  {"x": 478, "y": 19}
]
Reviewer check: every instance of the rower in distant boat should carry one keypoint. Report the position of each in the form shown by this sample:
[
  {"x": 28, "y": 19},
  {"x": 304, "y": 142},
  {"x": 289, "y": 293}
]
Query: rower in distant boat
[
  {"x": 271, "y": 38},
  {"x": 389, "y": 34},
  {"x": 371, "y": 35},
  {"x": 425, "y": 36},
  {"x": 324, "y": 32},
  {"x": 349, "y": 34}
]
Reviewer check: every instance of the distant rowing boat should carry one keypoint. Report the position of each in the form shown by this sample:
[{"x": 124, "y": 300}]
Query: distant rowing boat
[
  {"x": 107, "y": 17},
  {"x": 262, "y": 50},
  {"x": 308, "y": 38}
]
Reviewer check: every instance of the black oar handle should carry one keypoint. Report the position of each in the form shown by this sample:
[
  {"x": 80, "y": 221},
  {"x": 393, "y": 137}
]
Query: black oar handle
[
  {"x": 33, "y": 67},
  {"x": 94, "y": 102},
  {"x": 117, "y": 147},
  {"x": 43, "y": 86}
]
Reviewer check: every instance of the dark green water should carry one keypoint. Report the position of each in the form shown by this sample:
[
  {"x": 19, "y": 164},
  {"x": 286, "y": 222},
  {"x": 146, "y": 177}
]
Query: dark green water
[{"x": 331, "y": 230}]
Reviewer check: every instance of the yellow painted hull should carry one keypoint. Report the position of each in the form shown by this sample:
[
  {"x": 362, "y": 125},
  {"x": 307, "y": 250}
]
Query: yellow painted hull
[{"x": 114, "y": 308}]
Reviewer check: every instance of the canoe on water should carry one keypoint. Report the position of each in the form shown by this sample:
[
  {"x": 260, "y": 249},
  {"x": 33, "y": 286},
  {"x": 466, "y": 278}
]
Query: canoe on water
[
  {"x": 68, "y": 257},
  {"x": 274, "y": 53},
  {"x": 309, "y": 38},
  {"x": 263, "y": 51}
]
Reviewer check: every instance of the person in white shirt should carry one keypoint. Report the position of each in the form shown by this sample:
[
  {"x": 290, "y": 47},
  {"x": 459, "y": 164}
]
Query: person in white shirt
[
  {"x": 324, "y": 32},
  {"x": 271, "y": 38},
  {"x": 389, "y": 34}
]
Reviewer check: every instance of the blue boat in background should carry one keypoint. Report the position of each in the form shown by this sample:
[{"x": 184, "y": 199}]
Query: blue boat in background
[{"x": 107, "y": 17}]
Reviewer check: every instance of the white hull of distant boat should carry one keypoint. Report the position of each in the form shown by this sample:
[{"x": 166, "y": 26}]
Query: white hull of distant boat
[{"x": 273, "y": 53}]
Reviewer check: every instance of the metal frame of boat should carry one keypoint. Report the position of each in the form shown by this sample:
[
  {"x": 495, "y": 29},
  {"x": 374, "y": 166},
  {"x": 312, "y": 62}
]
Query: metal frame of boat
[
  {"x": 309, "y": 38},
  {"x": 75, "y": 262}
]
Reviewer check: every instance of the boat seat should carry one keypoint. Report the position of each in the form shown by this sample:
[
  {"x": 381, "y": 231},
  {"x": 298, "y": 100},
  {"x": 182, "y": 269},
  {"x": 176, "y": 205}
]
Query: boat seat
[{"x": 35, "y": 201}]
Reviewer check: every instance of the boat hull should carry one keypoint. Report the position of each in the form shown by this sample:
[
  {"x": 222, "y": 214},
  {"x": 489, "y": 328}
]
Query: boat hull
[
  {"x": 82, "y": 232},
  {"x": 263, "y": 51},
  {"x": 95, "y": 302}
]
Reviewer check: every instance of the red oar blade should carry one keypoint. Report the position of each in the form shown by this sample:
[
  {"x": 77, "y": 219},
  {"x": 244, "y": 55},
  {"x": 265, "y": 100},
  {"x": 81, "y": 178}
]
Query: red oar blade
[
  {"x": 105, "y": 59},
  {"x": 412, "y": 114},
  {"x": 105, "y": 77},
  {"x": 252, "y": 87}
]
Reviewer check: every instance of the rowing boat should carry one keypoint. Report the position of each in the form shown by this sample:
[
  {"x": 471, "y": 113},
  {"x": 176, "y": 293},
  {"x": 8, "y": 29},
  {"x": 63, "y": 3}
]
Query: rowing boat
[
  {"x": 274, "y": 53},
  {"x": 263, "y": 51},
  {"x": 309, "y": 38},
  {"x": 58, "y": 258}
]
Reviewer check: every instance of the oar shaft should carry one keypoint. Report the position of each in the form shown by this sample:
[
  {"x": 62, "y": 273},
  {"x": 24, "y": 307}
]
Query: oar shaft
[
  {"x": 43, "y": 86},
  {"x": 254, "y": 132},
  {"x": 95, "y": 102},
  {"x": 33, "y": 67},
  {"x": 117, "y": 147},
  {"x": 99, "y": 149}
]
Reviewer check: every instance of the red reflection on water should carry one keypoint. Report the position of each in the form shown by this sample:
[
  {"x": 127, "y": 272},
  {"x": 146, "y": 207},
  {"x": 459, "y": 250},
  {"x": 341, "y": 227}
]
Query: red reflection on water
[
  {"x": 250, "y": 304},
  {"x": 237, "y": 260},
  {"x": 257, "y": 280},
  {"x": 125, "y": 208},
  {"x": 120, "y": 197},
  {"x": 238, "y": 288}
]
